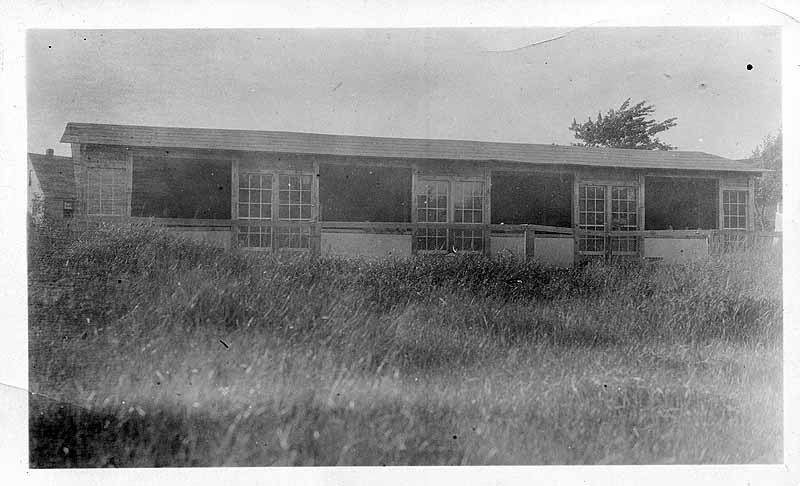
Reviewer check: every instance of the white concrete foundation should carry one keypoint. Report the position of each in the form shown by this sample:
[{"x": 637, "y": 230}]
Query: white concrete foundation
[
  {"x": 218, "y": 238},
  {"x": 556, "y": 251},
  {"x": 674, "y": 250},
  {"x": 508, "y": 245},
  {"x": 365, "y": 245}
]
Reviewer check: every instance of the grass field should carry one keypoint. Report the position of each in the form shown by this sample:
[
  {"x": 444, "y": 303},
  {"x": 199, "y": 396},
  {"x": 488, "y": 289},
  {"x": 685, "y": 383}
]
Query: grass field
[{"x": 149, "y": 351}]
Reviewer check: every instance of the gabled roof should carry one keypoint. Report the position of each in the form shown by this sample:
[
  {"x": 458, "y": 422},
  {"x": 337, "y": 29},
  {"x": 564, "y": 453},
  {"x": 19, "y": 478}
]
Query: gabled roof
[
  {"x": 408, "y": 148},
  {"x": 55, "y": 175}
]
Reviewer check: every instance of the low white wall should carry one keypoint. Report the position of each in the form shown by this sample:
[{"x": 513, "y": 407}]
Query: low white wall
[
  {"x": 512, "y": 245},
  {"x": 559, "y": 252},
  {"x": 365, "y": 245},
  {"x": 218, "y": 238},
  {"x": 673, "y": 250}
]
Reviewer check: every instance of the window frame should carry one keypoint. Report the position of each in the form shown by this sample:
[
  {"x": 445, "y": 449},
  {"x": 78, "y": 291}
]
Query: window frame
[
  {"x": 68, "y": 208},
  {"x": 743, "y": 205},
  {"x": 299, "y": 204},
  {"x": 450, "y": 225},
  {"x": 249, "y": 204},
  {"x": 275, "y": 223},
  {"x": 120, "y": 202},
  {"x": 609, "y": 186}
]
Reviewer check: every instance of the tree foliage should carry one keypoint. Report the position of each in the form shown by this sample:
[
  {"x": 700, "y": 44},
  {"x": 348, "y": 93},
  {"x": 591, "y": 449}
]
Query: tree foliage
[
  {"x": 629, "y": 126},
  {"x": 769, "y": 156}
]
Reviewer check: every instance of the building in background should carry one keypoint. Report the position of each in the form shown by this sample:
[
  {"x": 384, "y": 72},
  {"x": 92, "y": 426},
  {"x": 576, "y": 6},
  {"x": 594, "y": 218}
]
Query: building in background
[
  {"x": 376, "y": 197},
  {"x": 51, "y": 188}
]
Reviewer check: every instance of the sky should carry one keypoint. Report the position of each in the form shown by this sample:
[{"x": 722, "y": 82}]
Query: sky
[{"x": 465, "y": 83}]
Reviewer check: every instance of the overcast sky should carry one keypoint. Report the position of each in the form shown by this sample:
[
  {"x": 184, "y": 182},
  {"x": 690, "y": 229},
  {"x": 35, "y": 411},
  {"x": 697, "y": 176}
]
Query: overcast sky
[{"x": 474, "y": 84}]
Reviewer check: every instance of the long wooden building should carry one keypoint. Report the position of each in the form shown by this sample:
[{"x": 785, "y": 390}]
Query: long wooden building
[{"x": 377, "y": 197}]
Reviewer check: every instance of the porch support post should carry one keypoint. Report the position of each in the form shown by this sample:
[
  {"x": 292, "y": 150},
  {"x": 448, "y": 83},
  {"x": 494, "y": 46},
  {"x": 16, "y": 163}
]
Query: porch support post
[
  {"x": 78, "y": 174},
  {"x": 129, "y": 184},
  {"x": 720, "y": 212},
  {"x": 414, "y": 182},
  {"x": 316, "y": 211},
  {"x": 640, "y": 217},
  {"x": 487, "y": 205},
  {"x": 234, "y": 201},
  {"x": 751, "y": 203},
  {"x": 575, "y": 214}
]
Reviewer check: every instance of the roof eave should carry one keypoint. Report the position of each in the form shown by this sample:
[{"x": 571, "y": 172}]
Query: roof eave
[{"x": 74, "y": 133}]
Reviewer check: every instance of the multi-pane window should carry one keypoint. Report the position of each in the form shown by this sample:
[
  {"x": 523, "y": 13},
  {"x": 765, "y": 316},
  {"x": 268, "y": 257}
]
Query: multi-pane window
[
  {"x": 468, "y": 240},
  {"x": 272, "y": 200},
  {"x": 295, "y": 237},
  {"x": 105, "y": 191},
  {"x": 431, "y": 239},
  {"x": 441, "y": 201},
  {"x": 432, "y": 201},
  {"x": 623, "y": 218},
  {"x": 68, "y": 209},
  {"x": 294, "y": 197},
  {"x": 255, "y": 196},
  {"x": 592, "y": 215},
  {"x": 255, "y": 236},
  {"x": 468, "y": 202},
  {"x": 608, "y": 208},
  {"x": 734, "y": 210}
]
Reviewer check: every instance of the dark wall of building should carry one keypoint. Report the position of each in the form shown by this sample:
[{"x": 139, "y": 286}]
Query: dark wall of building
[
  {"x": 680, "y": 203},
  {"x": 531, "y": 198},
  {"x": 362, "y": 193},
  {"x": 54, "y": 209},
  {"x": 181, "y": 188}
]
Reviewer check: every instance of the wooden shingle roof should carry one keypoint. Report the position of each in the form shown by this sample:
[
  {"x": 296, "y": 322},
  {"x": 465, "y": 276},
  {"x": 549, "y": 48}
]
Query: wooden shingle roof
[
  {"x": 55, "y": 174},
  {"x": 407, "y": 148}
]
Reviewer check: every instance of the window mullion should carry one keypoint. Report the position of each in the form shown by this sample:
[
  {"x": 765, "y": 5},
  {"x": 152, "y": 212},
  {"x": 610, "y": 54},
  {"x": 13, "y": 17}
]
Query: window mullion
[
  {"x": 608, "y": 247},
  {"x": 451, "y": 213},
  {"x": 274, "y": 209},
  {"x": 607, "y": 211}
]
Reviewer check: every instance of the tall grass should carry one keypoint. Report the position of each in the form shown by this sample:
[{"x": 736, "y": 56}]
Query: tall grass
[{"x": 149, "y": 350}]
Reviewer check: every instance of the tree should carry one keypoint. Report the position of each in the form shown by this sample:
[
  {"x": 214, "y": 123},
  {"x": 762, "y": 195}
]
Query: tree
[
  {"x": 769, "y": 192},
  {"x": 626, "y": 127}
]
